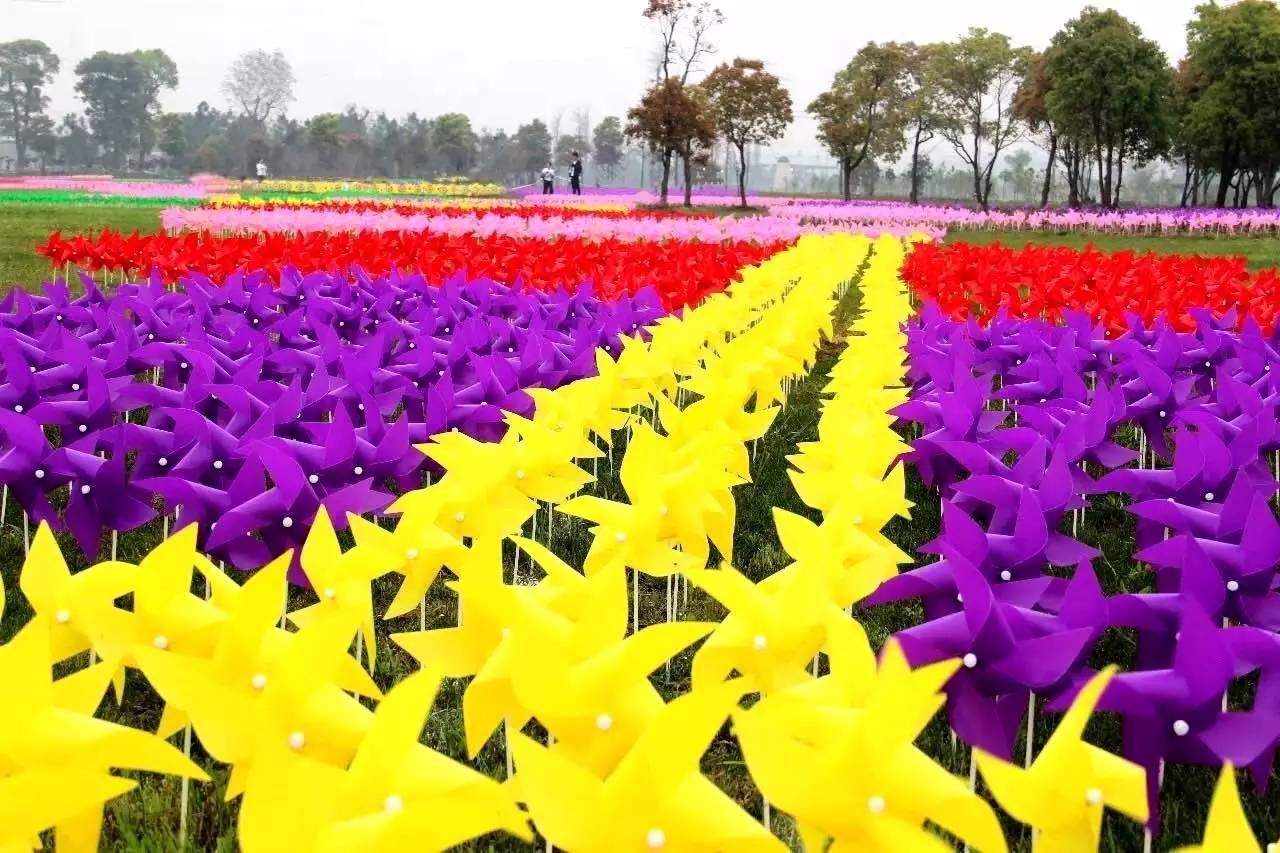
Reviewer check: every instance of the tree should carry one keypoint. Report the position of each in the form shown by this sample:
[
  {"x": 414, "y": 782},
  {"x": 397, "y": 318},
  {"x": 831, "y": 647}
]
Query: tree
[
  {"x": 76, "y": 147},
  {"x": 260, "y": 83},
  {"x": 172, "y": 138},
  {"x": 1030, "y": 106},
  {"x": 684, "y": 39},
  {"x": 1018, "y": 174},
  {"x": 1111, "y": 88},
  {"x": 922, "y": 107},
  {"x": 455, "y": 142},
  {"x": 607, "y": 141},
  {"x": 670, "y": 120},
  {"x": 749, "y": 106},
  {"x": 568, "y": 143},
  {"x": 161, "y": 73},
  {"x": 117, "y": 91},
  {"x": 26, "y": 67},
  {"x": 324, "y": 136},
  {"x": 863, "y": 114},
  {"x": 1232, "y": 104},
  {"x": 533, "y": 147},
  {"x": 978, "y": 77}
]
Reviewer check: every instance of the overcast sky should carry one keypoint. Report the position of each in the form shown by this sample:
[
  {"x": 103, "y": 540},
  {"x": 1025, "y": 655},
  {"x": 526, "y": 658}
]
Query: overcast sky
[{"x": 504, "y": 62}]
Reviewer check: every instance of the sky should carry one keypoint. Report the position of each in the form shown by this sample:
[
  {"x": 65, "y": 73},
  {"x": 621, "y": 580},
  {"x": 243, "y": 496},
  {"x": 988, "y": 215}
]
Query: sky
[{"x": 504, "y": 62}]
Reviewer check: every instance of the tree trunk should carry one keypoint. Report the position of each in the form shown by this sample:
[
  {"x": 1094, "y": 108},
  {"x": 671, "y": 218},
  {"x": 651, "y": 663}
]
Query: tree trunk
[
  {"x": 1115, "y": 193},
  {"x": 915, "y": 167},
  {"x": 1186, "y": 181},
  {"x": 1225, "y": 174},
  {"x": 846, "y": 179},
  {"x": 665, "y": 185},
  {"x": 1048, "y": 170},
  {"x": 688, "y": 179},
  {"x": 742, "y": 174},
  {"x": 978, "y": 195}
]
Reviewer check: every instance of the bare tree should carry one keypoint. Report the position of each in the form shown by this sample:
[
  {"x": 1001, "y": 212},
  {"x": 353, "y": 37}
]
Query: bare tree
[{"x": 260, "y": 83}]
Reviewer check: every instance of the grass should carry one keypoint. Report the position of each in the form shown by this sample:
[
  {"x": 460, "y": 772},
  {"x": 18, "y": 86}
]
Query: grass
[
  {"x": 1260, "y": 252},
  {"x": 23, "y": 227},
  {"x": 147, "y": 819}
]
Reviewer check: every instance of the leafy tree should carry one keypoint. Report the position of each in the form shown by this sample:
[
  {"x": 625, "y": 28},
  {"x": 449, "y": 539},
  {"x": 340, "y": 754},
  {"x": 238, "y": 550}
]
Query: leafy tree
[
  {"x": 1030, "y": 107},
  {"x": 566, "y": 145},
  {"x": 863, "y": 116},
  {"x": 260, "y": 83},
  {"x": 26, "y": 67},
  {"x": 43, "y": 137},
  {"x": 324, "y": 136},
  {"x": 607, "y": 141},
  {"x": 533, "y": 147},
  {"x": 684, "y": 39},
  {"x": 670, "y": 119},
  {"x": 171, "y": 137},
  {"x": 121, "y": 94},
  {"x": 1232, "y": 108},
  {"x": 978, "y": 77},
  {"x": 1111, "y": 88},
  {"x": 1018, "y": 175},
  {"x": 922, "y": 107},
  {"x": 76, "y": 147},
  {"x": 749, "y": 106},
  {"x": 455, "y": 142}
]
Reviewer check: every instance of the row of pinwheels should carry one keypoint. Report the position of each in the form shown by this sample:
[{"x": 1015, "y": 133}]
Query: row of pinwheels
[
  {"x": 519, "y": 208},
  {"x": 1019, "y": 429},
  {"x": 318, "y": 770},
  {"x": 251, "y": 404},
  {"x": 1045, "y": 282},
  {"x": 682, "y": 272},
  {"x": 459, "y": 188},
  {"x": 541, "y": 222}
]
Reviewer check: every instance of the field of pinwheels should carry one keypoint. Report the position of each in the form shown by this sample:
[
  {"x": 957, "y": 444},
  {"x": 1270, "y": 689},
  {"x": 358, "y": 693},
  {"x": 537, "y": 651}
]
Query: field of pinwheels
[{"x": 345, "y": 518}]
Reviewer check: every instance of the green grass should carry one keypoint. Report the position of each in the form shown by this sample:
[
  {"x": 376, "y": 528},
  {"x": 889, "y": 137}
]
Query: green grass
[
  {"x": 23, "y": 227},
  {"x": 147, "y": 819},
  {"x": 1260, "y": 252}
]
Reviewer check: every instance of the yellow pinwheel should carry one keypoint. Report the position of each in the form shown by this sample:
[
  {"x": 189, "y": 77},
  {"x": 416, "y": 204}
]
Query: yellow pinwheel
[
  {"x": 418, "y": 549},
  {"x": 656, "y": 799},
  {"x": 342, "y": 581},
  {"x": 47, "y": 727},
  {"x": 78, "y": 608},
  {"x": 1227, "y": 830},
  {"x": 772, "y": 632},
  {"x": 853, "y": 561},
  {"x": 583, "y": 679},
  {"x": 396, "y": 795},
  {"x": 265, "y": 687},
  {"x": 1063, "y": 794},
  {"x": 853, "y": 778}
]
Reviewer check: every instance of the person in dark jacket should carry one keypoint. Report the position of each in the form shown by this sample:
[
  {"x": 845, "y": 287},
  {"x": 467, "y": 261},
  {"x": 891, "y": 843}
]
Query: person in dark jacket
[{"x": 575, "y": 174}]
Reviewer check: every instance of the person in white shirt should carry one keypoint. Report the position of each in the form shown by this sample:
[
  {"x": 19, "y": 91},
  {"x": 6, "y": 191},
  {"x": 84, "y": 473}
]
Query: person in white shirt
[
  {"x": 548, "y": 179},
  {"x": 261, "y": 169}
]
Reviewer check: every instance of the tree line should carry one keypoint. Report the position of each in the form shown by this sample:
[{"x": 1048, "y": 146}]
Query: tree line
[
  {"x": 1101, "y": 99},
  {"x": 123, "y": 128}
]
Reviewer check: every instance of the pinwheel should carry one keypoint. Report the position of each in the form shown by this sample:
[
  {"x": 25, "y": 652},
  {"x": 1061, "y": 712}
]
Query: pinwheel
[
  {"x": 852, "y": 776},
  {"x": 77, "y": 608},
  {"x": 772, "y": 631},
  {"x": 263, "y": 687},
  {"x": 1227, "y": 829},
  {"x": 1176, "y": 714},
  {"x": 656, "y": 798},
  {"x": 1063, "y": 794},
  {"x": 395, "y": 793},
  {"x": 343, "y": 581},
  {"x": 46, "y": 729},
  {"x": 1007, "y": 653}
]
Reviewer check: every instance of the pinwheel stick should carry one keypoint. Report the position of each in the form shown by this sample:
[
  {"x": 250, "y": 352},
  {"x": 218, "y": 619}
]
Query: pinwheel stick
[
  {"x": 186, "y": 789},
  {"x": 1029, "y": 753}
]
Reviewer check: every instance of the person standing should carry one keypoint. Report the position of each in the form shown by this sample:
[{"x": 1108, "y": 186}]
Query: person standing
[
  {"x": 261, "y": 169},
  {"x": 575, "y": 175},
  {"x": 548, "y": 179}
]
